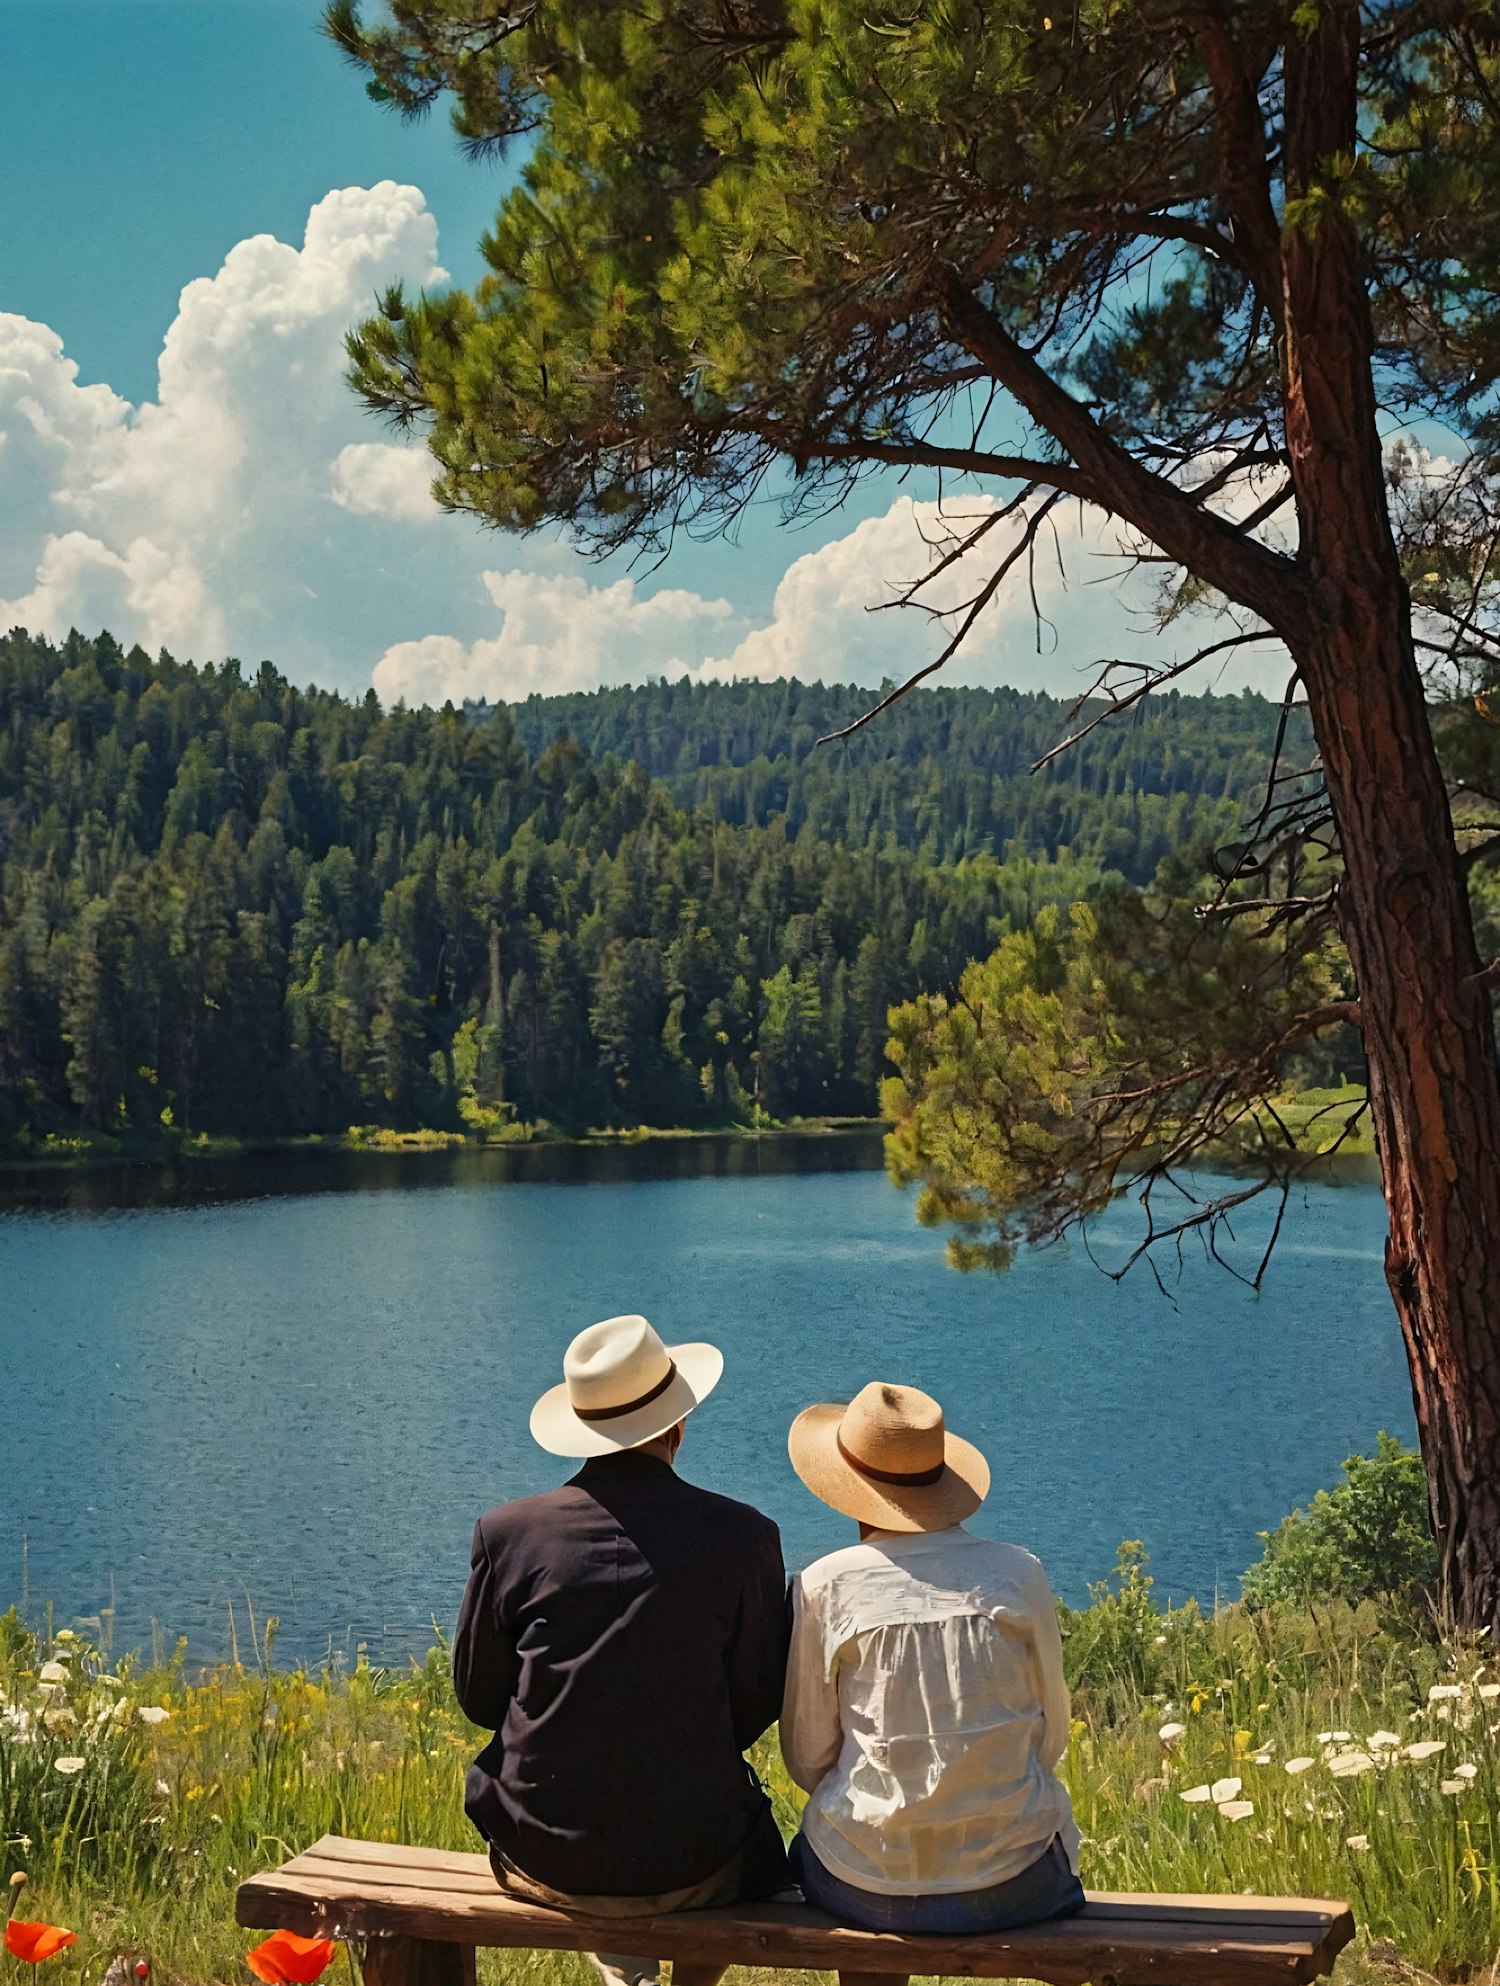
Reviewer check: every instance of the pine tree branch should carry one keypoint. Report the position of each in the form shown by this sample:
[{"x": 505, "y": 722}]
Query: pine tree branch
[{"x": 1266, "y": 581}]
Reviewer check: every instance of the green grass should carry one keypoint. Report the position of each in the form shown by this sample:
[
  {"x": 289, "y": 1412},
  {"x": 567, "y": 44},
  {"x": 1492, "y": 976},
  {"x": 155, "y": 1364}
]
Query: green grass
[{"x": 139, "y": 1847}]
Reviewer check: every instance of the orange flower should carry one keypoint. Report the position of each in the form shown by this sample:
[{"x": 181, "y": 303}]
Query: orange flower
[
  {"x": 34, "y": 1942},
  {"x": 287, "y": 1960}
]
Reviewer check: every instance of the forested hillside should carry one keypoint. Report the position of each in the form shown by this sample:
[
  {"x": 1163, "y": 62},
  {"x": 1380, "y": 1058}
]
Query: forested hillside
[
  {"x": 229, "y": 905},
  {"x": 947, "y": 772}
]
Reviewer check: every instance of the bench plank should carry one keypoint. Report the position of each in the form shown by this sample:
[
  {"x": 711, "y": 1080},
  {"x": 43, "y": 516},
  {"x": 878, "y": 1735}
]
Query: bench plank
[{"x": 374, "y": 1891}]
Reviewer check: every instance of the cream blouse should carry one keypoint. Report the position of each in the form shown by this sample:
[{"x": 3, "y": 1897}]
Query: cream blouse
[{"x": 925, "y": 1709}]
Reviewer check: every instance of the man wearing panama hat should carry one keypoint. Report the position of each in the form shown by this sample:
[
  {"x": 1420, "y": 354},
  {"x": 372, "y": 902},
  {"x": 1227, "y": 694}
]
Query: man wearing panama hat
[
  {"x": 925, "y": 1703},
  {"x": 625, "y": 1637}
]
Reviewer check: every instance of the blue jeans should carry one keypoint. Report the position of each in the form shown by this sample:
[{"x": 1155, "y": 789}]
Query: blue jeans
[{"x": 1048, "y": 1888}]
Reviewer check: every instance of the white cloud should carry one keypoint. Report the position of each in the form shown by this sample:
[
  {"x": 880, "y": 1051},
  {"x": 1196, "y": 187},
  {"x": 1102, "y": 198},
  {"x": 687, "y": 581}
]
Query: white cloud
[
  {"x": 559, "y": 632},
  {"x": 247, "y": 509},
  {"x": 375, "y": 479},
  {"x": 205, "y": 518}
]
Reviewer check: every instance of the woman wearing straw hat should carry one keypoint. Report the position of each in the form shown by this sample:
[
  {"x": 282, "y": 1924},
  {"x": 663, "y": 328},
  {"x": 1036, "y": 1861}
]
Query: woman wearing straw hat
[{"x": 925, "y": 1704}]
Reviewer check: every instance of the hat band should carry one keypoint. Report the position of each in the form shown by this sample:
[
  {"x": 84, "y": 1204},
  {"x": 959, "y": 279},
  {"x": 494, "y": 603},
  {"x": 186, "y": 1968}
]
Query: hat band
[
  {"x": 902, "y": 1478},
  {"x": 630, "y": 1406}
]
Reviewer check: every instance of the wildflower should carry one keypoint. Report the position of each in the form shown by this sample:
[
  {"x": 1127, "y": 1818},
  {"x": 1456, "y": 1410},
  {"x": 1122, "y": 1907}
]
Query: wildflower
[
  {"x": 35, "y": 1942},
  {"x": 1444, "y": 1692},
  {"x": 1296, "y": 1765},
  {"x": 284, "y": 1959},
  {"x": 1170, "y": 1733},
  {"x": 1224, "y": 1789},
  {"x": 68, "y": 1766},
  {"x": 1358, "y": 1842},
  {"x": 152, "y": 1713},
  {"x": 1489, "y": 1691},
  {"x": 1466, "y": 1772},
  {"x": 1234, "y": 1810},
  {"x": 1194, "y": 1794},
  {"x": 1333, "y": 1737},
  {"x": 1428, "y": 1748},
  {"x": 1454, "y": 1786},
  {"x": 1345, "y": 1765},
  {"x": 1382, "y": 1741},
  {"x": 52, "y": 1672},
  {"x": 1196, "y": 1701}
]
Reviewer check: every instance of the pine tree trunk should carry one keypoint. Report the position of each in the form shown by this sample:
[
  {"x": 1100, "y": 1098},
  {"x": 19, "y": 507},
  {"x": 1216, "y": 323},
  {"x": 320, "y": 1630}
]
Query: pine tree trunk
[
  {"x": 1403, "y": 906},
  {"x": 1434, "y": 1091}
]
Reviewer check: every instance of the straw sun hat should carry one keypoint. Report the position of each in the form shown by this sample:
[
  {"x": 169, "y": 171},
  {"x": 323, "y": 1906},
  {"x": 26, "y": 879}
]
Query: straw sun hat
[
  {"x": 622, "y": 1386},
  {"x": 887, "y": 1460}
]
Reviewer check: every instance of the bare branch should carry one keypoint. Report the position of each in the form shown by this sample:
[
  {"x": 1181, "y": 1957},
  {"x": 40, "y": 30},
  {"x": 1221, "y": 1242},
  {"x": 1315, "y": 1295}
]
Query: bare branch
[
  {"x": 1152, "y": 679},
  {"x": 975, "y": 608}
]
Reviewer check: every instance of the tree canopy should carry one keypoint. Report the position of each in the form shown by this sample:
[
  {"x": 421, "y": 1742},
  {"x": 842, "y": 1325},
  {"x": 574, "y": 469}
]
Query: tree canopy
[{"x": 229, "y": 905}]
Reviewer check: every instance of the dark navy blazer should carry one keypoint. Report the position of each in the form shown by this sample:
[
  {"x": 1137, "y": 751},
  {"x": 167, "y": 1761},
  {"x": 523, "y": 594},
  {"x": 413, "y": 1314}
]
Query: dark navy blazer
[{"x": 625, "y": 1637}]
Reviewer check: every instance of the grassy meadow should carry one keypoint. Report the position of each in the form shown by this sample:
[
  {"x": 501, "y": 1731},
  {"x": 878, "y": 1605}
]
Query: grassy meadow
[{"x": 1323, "y": 1750}]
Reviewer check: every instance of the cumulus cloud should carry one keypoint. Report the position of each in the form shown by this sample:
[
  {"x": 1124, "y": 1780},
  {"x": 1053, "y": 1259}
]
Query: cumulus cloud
[
  {"x": 246, "y": 509},
  {"x": 206, "y": 517},
  {"x": 375, "y": 479},
  {"x": 559, "y": 632},
  {"x": 1080, "y": 605}
]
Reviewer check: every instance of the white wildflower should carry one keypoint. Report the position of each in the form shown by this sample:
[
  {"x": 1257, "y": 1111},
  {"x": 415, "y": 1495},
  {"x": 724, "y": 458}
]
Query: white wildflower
[
  {"x": 68, "y": 1766},
  {"x": 1333, "y": 1737},
  {"x": 1224, "y": 1789},
  {"x": 1383, "y": 1741},
  {"x": 1345, "y": 1765},
  {"x": 1466, "y": 1772},
  {"x": 1170, "y": 1733},
  {"x": 52, "y": 1672},
  {"x": 152, "y": 1713},
  {"x": 1234, "y": 1810},
  {"x": 1455, "y": 1786},
  {"x": 1428, "y": 1748},
  {"x": 1358, "y": 1842},
  {"x": 1489, "y": 1691},
  {"x": 1444, "y": 1692},
  {"x": 1194, "y": 1794},
  {"x": 1260, "y": 1758},
  {"x": 1296, "y": 1765}
]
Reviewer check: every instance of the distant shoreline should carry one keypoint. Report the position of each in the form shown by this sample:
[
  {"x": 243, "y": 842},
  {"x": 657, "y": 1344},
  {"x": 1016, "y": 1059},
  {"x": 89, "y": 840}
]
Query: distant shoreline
[{"x": 88, "y": 1155}]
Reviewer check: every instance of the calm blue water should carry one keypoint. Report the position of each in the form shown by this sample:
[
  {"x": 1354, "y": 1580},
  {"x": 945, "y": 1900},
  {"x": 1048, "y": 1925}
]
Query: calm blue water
[{"x": 306, "y": 1396}]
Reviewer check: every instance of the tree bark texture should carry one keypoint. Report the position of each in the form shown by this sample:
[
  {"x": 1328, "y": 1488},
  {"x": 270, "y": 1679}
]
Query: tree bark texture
[{"x": 1403, "y": 906}]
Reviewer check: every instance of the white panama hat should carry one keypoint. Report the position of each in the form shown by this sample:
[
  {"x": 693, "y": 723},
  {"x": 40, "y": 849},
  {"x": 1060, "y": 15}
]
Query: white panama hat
[{"x": 622, "y": 1386}]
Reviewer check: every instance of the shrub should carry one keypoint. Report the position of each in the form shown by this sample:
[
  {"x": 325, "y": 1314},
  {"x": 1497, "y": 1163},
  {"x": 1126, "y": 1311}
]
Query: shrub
[{"x": 1371, "y": 1536}]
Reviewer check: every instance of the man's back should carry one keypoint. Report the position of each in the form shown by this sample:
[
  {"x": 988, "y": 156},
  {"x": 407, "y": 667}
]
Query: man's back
[{"x": 625, "y": 1636}]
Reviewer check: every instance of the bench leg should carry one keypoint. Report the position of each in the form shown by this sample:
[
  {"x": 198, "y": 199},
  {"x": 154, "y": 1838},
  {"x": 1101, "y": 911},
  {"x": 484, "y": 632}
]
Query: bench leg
[
  {"x": 417, "y": 1962},
  {"x": 687, "y": 1972}
]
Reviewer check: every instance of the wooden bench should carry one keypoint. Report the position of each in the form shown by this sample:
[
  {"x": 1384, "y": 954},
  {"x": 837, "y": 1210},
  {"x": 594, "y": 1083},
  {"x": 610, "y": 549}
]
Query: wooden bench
[{"x": 421, "y": 1912}]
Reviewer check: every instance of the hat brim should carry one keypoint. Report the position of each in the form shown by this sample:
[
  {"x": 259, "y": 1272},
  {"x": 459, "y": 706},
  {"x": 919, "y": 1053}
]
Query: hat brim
[
  {"x": 813, "y": 1445},
  {"x": 555, "y": 1426}
]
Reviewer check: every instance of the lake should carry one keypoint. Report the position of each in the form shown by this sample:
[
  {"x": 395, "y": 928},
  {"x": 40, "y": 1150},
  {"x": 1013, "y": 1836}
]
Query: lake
[{"x": 289, "y": 1385}]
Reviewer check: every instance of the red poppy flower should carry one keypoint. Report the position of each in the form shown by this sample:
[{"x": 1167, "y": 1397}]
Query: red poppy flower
[
  {"x": 34, "y": 1942},
  {"x": 287, "y": 1960}
]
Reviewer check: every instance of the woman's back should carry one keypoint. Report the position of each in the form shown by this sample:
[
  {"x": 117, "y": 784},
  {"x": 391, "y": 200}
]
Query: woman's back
[{"x": 925, "y": 1708}]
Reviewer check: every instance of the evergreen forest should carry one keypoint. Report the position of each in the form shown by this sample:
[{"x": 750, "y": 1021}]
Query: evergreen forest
[{"x": 232, "y": 907}]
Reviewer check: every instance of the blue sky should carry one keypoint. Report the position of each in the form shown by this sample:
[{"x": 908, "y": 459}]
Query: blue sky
[{"x": 198, "y": 199}]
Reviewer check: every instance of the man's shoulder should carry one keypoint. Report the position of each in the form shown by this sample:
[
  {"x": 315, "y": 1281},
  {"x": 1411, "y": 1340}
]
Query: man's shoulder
[
  {"x": 827, "y": 1571},
  {"x": 525, "y": 1515},
  {"x": 730, "y": 1515}
]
